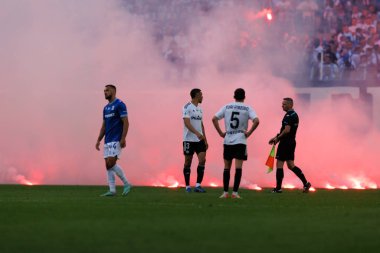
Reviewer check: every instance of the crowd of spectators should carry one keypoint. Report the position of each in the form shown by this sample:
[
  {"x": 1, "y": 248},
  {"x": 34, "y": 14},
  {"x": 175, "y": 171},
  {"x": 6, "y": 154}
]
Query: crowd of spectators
[
  {"x": 334, "y": 39},
  {"x": 348, "y": 45}
]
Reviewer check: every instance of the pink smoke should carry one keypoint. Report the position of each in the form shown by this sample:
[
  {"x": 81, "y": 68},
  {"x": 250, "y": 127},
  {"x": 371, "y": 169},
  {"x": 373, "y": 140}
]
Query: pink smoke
[{"x": 58, "y": 55}]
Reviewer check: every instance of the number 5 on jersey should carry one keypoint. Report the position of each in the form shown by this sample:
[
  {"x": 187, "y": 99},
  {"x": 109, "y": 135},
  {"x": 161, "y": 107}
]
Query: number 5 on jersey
[{"x": 234, "y": 120}]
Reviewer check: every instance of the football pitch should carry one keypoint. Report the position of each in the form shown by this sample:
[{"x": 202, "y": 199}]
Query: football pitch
[{"x": 75, "y": 219}]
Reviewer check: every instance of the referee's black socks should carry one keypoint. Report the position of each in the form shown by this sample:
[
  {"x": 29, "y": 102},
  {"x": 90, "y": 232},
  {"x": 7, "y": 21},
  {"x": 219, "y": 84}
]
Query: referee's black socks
[
  {"x": 186, "y": 173},
  {"x": 279, "y": 177},
  {"x": 226, "y": 179},
  {"x": 238, "y": 173},
  {"x": 299, "y": 174}
]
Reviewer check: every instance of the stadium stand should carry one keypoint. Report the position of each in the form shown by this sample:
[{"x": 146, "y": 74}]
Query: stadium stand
[{"x": 337, "y": 40}]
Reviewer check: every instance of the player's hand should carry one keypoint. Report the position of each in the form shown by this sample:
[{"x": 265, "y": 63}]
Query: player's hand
[
  {"x": 97, "y": 145},
  {"x": 222, "y": 134},
  {"x": 247, "y": 134},
  {"x": 122, "y": 143},
  {"x": 200, "y": 137}
]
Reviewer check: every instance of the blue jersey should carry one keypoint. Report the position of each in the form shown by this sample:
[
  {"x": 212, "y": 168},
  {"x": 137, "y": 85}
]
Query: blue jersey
[{"x": 112, "y": 114}]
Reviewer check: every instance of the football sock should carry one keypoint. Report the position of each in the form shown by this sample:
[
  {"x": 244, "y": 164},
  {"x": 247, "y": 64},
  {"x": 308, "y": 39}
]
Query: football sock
[
  {"x": 238, "y": 173},
  {"x": 299, "y": 174},
  {"x": 226, "y": 179},
  {"x": 111, "y": 180},
  {"x": 200, "y": 173},
  {"x": 279, "y": 177},
  {"x": 119, "y": 172},
  {"x": 186, "y": 173}
]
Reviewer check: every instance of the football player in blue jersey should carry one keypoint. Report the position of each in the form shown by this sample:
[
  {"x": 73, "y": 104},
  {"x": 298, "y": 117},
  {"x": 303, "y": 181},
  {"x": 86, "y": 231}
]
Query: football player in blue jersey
[{"x": 114, "y": 128}]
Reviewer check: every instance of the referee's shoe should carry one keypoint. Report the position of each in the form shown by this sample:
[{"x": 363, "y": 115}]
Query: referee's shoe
[
  {"x": 275, "y": 190},
  {"x": 306, "y": 187}
]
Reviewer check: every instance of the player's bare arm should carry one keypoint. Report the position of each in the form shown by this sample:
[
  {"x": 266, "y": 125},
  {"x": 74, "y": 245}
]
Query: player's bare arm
[
  {"x": 215, "y": 121},
  {"x": 255, "y": 124},
  {"x": 192, "y": 129},
  {"x": 277, "y": 138},
  {"x": 125, "y": 131},
  {"x": 101, "y": 135},
  {"x": 204, "y": 135}
]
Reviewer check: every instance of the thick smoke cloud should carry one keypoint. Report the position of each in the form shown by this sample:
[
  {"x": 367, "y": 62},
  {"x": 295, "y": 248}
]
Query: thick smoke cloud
[{"x": 56, "y": 57}]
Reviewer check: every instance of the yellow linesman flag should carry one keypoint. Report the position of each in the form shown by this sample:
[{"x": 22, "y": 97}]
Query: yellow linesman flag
[{"x": 270, "y": 160}]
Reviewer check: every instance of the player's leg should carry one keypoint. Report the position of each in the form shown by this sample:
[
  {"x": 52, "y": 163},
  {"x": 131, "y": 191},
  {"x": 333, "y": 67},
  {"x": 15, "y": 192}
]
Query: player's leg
[
  {"x": 237, "y": 179},
  {"x": 110, "y": 162},
  {"x": 188, "y": 151},
  {"x": 201, "y": 153},
  {"x": 120, "y": 173},
  {"x": 115, "y": 152},
  {"x": 279, "y": 176},
  {"x": 240, "y": 155},
  {"x": 226, "y": 177},
  {"x": 296, "y": 170},
  {"x": 187, "y": 171},
  {"x": 281, "y": 155}
]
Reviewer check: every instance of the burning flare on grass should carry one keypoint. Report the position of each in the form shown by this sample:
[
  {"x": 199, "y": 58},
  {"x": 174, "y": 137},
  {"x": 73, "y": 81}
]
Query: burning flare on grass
[
  {"x": 254, "y": 187},
  {"x": 22, "y": 180},
  {"x": 212, "y": 184},
  {"x": 289, "y": 186}
]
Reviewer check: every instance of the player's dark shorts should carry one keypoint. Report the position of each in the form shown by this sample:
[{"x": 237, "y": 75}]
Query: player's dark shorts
[
  {"x": 237, "y": 151},
  {"x": 285, "y": 150},
  {"x": 190, "y": 147}
]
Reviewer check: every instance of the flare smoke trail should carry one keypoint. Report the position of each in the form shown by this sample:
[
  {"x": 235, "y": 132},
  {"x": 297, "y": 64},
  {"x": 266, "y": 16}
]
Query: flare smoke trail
[{"x": 56, "y": 57}]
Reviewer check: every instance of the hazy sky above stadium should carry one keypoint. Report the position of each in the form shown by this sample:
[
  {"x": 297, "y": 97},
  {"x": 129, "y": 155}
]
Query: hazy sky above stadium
[{"x": 56, "y": 57}]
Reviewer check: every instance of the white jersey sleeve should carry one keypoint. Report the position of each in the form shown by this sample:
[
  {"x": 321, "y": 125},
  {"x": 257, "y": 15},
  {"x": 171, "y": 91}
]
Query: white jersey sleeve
[{"x": 220, "y": 114}]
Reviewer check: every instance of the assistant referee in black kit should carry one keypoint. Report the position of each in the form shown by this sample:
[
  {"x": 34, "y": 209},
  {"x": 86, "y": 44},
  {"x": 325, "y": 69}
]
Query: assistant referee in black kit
[{"x": 287, "y": 147}]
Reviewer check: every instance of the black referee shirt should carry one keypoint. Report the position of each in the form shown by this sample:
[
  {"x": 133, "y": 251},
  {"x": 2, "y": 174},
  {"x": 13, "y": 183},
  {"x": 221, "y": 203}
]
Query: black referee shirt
[{"x": 291, "y": 119}]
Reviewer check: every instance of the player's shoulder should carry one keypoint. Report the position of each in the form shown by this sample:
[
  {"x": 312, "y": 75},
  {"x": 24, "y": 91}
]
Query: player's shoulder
[
  {"x": 119, "y": 101},
  {"x": 187, "y": 105},
  {"x": 292, "y": 113}
]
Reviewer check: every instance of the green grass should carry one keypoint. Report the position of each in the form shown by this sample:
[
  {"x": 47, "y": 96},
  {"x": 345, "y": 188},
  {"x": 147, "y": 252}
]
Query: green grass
[{"x": 75, "y": 219}]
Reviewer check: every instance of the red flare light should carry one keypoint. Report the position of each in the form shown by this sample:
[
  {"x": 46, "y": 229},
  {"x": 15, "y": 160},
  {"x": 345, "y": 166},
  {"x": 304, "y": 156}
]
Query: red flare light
[
  {"x": 174, "y": 185},
  {"x": 330, "y": 187},
  {"x": 269, "y": 16},
  {"x": 22, "y": 180},
  {"x": 254, "y": 187},
  {"x": 372, "y": 186}
]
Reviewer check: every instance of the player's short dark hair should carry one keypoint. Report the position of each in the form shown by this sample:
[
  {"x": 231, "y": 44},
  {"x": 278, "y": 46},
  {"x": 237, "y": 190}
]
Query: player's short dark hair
[
  {"x": 194, "y": 92},
  {"x": 289, "y": 100},
  {"x": 239, "y": 94},
  {"x": 111, "y": 86}
]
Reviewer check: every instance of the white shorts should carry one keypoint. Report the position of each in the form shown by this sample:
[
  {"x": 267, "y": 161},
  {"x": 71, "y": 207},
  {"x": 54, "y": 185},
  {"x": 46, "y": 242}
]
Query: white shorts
[{"x": 112, "y": 149}]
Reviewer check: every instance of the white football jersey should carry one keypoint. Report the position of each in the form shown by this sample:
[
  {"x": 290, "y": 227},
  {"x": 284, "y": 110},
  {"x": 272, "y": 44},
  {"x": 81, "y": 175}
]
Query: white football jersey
[
  {"x": 195, "y": 114},
  {"x": 236, "y": 116}
]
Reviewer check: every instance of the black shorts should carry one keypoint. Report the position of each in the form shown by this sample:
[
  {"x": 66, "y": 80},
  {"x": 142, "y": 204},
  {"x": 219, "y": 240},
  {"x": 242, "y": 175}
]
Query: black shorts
[
  {"x": 285, "y": 150},
  {"x": 237, "y": 151},
  {"x": 190, "y": 147}
]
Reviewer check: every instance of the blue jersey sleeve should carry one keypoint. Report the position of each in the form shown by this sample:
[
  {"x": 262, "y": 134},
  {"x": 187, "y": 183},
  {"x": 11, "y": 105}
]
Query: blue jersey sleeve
[{"x": 122, "y": 110}]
